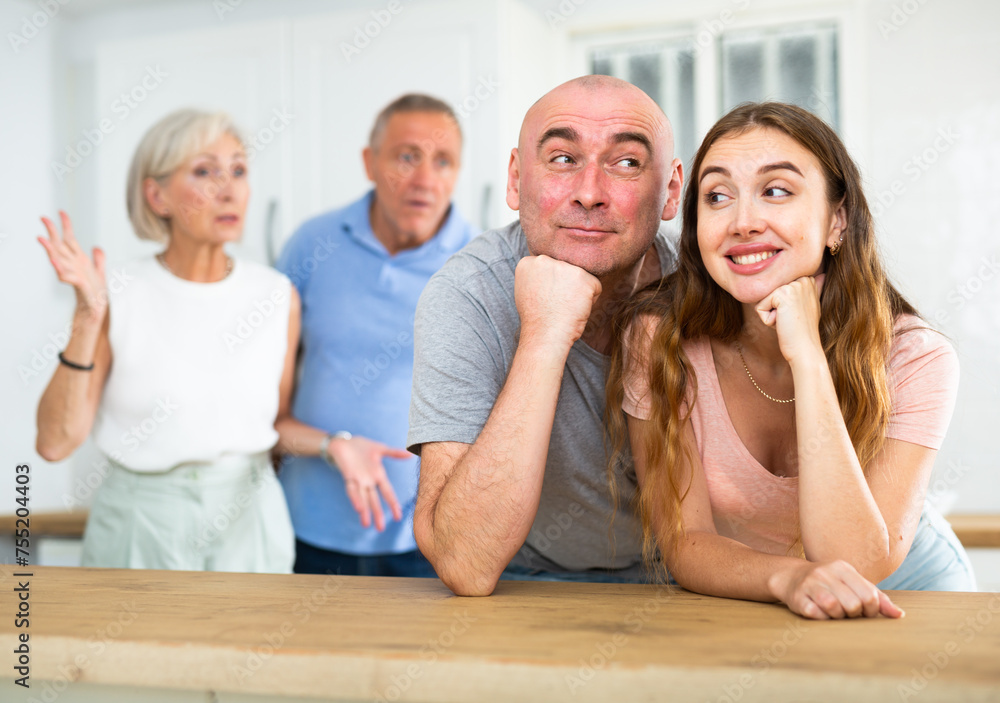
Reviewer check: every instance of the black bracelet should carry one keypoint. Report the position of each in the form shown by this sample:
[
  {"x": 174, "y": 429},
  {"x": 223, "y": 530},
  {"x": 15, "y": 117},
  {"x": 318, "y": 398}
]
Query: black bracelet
[{"x": 63, "y": 360}]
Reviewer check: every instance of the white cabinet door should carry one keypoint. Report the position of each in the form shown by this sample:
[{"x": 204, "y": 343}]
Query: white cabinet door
[
  {"x": 347, "y": 66},
  {"x": 241, "y": 70}
]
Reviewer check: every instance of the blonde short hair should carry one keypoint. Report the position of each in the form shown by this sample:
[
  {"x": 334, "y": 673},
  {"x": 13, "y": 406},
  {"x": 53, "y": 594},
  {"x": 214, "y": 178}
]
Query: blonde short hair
[{"x": 168, "y": 144}]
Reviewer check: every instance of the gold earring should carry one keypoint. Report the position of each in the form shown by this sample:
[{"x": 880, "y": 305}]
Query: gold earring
[{"x": 835, "y": 247}]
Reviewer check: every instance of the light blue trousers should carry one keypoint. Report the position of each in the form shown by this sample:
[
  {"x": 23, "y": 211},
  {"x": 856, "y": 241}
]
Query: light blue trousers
[
  {"x": 226, "y": 515},
  {"x": 936, "y": 561}
]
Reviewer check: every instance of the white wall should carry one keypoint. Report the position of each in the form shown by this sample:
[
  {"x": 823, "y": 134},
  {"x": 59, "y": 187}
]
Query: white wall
[
  {"x": 935, "y": 125},
  {"x": 35, "y": 308}
]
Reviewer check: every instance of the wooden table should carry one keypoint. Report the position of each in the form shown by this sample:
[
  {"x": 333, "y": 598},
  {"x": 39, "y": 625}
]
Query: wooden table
[{"x": 228, "y": 637}]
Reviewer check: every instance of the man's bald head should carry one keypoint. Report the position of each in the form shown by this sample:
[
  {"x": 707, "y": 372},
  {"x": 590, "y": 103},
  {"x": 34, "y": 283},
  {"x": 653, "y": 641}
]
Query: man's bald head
[
  {"x": 591, "y": 86},
  {"x": 594, "y": 173}
]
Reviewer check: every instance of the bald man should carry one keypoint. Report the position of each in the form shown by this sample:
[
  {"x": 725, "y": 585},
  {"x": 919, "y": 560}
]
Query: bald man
[{"x": 511, "y": 344}]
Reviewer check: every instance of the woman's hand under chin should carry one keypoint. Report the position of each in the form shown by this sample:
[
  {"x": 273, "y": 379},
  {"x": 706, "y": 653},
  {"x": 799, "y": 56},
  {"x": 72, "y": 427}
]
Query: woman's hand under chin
[{"x": 793, "y": 311}]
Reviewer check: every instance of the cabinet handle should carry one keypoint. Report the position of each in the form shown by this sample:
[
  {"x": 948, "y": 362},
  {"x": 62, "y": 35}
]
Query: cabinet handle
[
  {"x": 269, "y": 219},
  {"x": 484, "y": 208}
]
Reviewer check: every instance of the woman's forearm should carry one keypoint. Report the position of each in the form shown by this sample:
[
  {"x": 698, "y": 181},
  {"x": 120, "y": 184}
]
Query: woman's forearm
[
  {"x": 709, "y": 563},
  {"x": 66, "y": 409},
  {"x": 838, "y": 514}
]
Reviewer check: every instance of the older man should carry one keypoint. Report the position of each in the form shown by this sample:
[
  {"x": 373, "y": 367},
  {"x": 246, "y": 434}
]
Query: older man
[
  {"x": 359, "y": 272},
  {"x": 511, "y": 342}
]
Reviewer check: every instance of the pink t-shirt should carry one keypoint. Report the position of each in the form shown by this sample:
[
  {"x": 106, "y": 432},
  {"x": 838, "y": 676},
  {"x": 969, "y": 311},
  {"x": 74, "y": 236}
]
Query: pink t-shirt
[{"x": 761, "y": 510}]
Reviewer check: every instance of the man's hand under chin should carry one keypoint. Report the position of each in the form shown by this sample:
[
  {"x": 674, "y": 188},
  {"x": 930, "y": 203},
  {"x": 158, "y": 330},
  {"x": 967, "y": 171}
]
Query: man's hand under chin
[{"x": 554, "y": 300}]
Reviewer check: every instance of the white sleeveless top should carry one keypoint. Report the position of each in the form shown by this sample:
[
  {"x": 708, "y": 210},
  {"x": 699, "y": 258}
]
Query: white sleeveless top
[{"x": 195, "y": 367}]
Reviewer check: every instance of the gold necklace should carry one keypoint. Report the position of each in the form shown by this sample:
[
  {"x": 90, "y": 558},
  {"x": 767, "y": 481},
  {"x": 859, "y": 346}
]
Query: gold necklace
[
  {"x": 163, "y": 260},
  {"x": 739, "y": 348}
]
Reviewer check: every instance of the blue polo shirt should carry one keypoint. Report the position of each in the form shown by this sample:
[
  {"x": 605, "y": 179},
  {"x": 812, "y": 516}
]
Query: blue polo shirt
[{"x": 356, "y": 372}]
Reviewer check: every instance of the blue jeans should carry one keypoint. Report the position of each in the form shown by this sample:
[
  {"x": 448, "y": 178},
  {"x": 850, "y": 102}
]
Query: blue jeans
[
  {"x": 515, "y": 572},
  {"x": 936, "y": 560},
  {"x": 313, "y": 560}
]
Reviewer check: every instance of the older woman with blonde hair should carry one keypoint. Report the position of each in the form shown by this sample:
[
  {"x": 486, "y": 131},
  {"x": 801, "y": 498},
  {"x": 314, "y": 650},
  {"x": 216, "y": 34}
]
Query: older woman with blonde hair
[
  {"x": 180, "y": 374},
  {"x": 784, "y": 401}
]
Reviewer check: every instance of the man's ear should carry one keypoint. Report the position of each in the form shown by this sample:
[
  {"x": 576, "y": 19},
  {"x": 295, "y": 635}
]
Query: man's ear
[
  {"x": 674, "y": 189},
  {"x": 514, "y": 181},
  {"x": 368, "y": 156},
  {"x": 153, "y": 192}
]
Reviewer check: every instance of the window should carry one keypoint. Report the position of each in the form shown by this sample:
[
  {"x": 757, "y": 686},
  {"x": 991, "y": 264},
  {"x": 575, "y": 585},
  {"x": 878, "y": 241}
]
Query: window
[
  {"x": 794, "y": 65},
  {"x": 790, "y": 63},
  {"x": 665, "y": 71}
]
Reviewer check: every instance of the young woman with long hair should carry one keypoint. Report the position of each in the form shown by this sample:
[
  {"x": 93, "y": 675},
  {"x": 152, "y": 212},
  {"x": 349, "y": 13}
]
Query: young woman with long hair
[{"x": 783, "y": 401}]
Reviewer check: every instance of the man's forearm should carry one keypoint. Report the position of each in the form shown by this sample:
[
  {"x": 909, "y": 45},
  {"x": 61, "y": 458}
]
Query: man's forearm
[
  {"x": 486, "y": 507},
  {"x": 297, "y": 438}
]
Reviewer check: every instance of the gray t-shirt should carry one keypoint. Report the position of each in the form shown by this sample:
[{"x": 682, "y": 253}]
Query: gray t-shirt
[{"x": 465, "y": 336}]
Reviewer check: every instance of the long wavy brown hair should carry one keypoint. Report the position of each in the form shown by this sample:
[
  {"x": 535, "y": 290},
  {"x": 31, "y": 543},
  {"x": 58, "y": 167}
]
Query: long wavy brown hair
[{"x": 858, "y": 308}]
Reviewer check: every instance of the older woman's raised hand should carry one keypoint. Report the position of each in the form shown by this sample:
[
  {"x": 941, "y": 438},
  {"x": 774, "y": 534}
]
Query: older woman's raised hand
[{"x": 75, "y": 267}]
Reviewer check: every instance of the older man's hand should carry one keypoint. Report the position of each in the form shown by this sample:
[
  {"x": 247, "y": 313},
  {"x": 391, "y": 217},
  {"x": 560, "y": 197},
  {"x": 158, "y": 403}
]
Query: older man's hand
[{"x": 554, "y": 300}]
